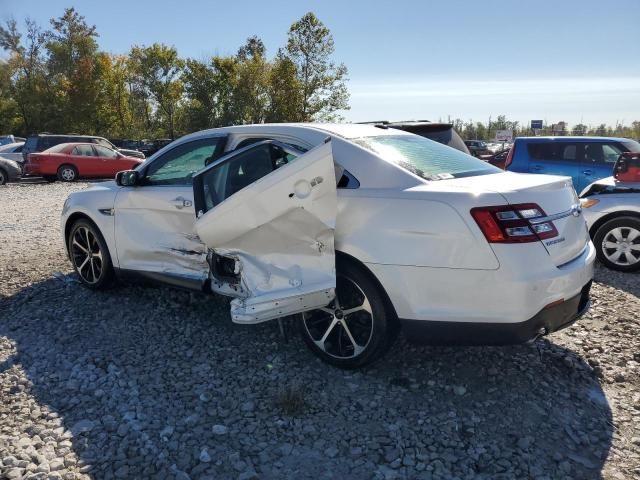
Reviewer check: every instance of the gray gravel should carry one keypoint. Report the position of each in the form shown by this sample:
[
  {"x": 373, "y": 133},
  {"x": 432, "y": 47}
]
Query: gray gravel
[{"x": 144, "y": 381}]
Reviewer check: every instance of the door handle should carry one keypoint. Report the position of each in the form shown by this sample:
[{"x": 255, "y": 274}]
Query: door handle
[
  {"x": 587, "y": 172},
  {"x": 181, "y": 202}
]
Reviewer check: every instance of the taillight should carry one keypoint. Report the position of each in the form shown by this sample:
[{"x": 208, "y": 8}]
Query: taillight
[
  {"x": 521, "y": 223},
  {"x": 509, "y": 159}
]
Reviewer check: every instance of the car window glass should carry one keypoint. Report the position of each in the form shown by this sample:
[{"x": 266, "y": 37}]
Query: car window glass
[
  {"x": 177, "y": 166},
  {"x": 83, "y": 150},
  {"x": 593, "y": 152},
  {"x": 611, "y": 152},
  {"x": 569, "y": 152},
  {"x": 240, "y": 171},
  {"x": 18, "y": 149},
  {"x": 31, "y": 144},
  {"x": 105, "y": 152}
]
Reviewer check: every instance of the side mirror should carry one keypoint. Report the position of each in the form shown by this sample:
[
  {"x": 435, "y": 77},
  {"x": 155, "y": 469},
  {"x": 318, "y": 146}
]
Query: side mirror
[{"x": 127, "y": 178}]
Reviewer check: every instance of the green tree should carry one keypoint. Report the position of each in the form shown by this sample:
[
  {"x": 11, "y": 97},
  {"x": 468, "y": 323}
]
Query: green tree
[
  {"x": 285, "y": 90},
  {"x": 72, "y": 48},
  {"x": 157, "y": 70},
  {"x": 323, "y": 83}
]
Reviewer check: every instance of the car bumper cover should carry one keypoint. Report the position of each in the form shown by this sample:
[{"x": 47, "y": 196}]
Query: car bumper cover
[{"x": 550, "y": 319}]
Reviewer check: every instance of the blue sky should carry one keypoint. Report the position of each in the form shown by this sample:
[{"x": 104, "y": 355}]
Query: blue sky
[{"x": 557, "y": 60}]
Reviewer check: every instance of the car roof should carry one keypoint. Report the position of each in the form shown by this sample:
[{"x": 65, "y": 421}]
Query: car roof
[
  {"x": 343, "y": 130},
  {"x": 576, "y": 139}
]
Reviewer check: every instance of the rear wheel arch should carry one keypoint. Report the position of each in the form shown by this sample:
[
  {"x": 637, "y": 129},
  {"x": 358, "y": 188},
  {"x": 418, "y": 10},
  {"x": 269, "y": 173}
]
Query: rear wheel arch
[
  {"x": 346, "y": 258},
  {"x": 611, "y": 216}
]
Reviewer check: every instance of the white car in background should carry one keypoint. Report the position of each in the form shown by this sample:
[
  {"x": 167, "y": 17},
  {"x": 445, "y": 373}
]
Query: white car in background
[
  {"x": 355, "y": 229},
  {"x": 612, "y": 211}
]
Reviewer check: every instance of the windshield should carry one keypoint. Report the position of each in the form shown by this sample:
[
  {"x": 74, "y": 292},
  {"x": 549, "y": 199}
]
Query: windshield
[{"x": 427, "y": 159}]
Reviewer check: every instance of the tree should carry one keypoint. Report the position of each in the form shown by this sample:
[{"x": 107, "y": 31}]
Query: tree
[
  {"x": 285, "y": 91},
  {"x": 157, "y": 72},
  {"x": 322, "y": 82},
  {"x": 72, "y": 48}
]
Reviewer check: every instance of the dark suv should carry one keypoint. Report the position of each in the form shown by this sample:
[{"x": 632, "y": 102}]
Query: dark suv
[
  {"x": 440, "y": 132},
  {"x": 43, "y": 141}
]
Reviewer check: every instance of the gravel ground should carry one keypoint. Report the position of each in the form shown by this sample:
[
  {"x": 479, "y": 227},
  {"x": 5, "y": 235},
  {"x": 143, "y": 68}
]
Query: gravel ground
[{"x": 147, "y": 382}]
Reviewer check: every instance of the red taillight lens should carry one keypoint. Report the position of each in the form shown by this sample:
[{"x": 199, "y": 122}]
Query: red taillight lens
[
  {"x": 509, "y": 159},
  {"x": 520, "y": 223}
]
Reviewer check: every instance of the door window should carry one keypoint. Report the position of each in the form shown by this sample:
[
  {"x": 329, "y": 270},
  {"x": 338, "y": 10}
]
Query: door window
[
  {"x": 178, "y": 165},
  {"x": 105, "y": 152},
  {"x": 553, "y": 152},
  {"x": 83, "y": 150},
  {"x": 611, "y": 152},
  {"x": 240, "y": 171}
]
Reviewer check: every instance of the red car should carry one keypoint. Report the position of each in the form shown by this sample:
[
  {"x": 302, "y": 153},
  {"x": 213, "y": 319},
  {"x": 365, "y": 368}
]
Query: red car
[{"x": 70, "y": 161}]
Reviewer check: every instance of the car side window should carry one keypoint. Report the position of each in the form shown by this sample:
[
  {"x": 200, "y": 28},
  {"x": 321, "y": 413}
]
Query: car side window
[
  {"x": 240, "y": 171},
  {"x": 553, "y": 152},
  {"x": 83, "y": 151},
  {"x": 105, "y": 152},
  {"x": 611, "y": 152},
  {"x": 177, "y": 166}
]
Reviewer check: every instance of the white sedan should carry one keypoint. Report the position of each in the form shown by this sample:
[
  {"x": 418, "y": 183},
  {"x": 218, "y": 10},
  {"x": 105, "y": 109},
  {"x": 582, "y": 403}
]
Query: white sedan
[
  {"x": 355, "y": 229},
  {"x": 612, "y": 211}
]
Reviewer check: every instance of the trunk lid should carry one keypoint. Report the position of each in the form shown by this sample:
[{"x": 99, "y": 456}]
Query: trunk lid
[{"x": 554, "y": 194}]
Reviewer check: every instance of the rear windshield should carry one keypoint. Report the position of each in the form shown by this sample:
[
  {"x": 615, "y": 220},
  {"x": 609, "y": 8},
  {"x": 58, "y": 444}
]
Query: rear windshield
[
  {"x": 427, "y": 159},
  {"x": 447, "y": 137}
]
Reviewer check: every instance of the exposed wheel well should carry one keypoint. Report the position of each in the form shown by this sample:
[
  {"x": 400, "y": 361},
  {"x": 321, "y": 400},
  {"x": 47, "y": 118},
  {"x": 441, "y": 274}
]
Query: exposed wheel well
[
  {"x": 601, "y": 221},
  {"x": 345, "y": 257}
]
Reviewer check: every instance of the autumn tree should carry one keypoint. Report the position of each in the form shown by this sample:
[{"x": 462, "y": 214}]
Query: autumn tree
[{"x": 157, "y": 72}]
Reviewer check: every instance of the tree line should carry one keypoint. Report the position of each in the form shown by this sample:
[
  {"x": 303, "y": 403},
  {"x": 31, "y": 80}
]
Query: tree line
[
  {"x": 470, "y": 130},
  {"x": 58, "y": 80}
]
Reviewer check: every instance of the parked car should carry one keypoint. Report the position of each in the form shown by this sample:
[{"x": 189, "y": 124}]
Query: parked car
[
  {"x": 44, "y": 141},
  {"x": 440, "y": 132},
  {"x": 7, "y": 139},
  {"x": 497, "y": 159},
  {"x": 149, "y": 147},
  {"x": 12, "y": 151},
  {"x": 477, "y": 147},
  {"x": 354, "y": 229},
  {"x": 9, "y": 170},
  {"x": 584, "y": 159},
  {"x": 70, "y": 161},
  {"x": 612, "y": 209}
]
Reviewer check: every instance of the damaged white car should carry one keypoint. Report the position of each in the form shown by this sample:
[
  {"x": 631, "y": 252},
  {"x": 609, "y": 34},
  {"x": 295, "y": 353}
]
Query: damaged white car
[{"x": 357, "y": 230}]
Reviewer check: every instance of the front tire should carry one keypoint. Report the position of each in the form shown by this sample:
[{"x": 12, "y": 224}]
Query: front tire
[
  {"x": 618, "y": 244},
  {"x": 4, "y": 176},
  {"x": 355, "y": 329},
  {"x": 67, "y": 173},
  {"x": 89, "y": 255}
]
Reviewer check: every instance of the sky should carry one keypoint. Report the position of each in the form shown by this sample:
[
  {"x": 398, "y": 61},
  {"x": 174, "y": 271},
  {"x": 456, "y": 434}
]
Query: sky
[{"x": 571, "y": 60}]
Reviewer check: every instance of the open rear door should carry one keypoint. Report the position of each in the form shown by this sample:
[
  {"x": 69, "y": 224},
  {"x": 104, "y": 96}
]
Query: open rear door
[{"x": 267, "y": 214}]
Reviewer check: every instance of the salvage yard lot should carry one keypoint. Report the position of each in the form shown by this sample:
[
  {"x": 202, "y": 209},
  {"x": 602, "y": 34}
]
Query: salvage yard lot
[{"x": 145, "y": 381}]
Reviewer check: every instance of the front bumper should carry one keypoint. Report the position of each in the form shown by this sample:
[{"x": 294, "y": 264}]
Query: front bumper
[{"x": 549, "y": 319}]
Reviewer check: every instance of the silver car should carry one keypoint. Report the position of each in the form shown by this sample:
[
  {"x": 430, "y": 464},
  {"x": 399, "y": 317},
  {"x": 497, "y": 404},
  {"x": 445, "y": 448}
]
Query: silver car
[{"x": 10, "y": 162}]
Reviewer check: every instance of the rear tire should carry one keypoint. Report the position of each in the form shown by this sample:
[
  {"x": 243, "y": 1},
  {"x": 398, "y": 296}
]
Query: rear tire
[
  {"x": 617, "y": 244},
  {"x": 4, "y": 176},
  {"x": 89, "y": 255},
  {"x": 358, "y": 329},
  {"x": 67, "y": 173}
]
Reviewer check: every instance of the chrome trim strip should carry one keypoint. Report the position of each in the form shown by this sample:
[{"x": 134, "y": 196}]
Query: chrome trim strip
[{"x": 575, "y": 210}]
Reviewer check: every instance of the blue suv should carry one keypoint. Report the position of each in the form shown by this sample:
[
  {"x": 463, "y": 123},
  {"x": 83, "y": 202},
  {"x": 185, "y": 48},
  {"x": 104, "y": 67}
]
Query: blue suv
[{"x": 584, "y": 159}]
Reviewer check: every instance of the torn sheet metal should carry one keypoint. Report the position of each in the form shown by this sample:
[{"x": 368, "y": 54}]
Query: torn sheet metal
[{"x": 280, "y": 230}]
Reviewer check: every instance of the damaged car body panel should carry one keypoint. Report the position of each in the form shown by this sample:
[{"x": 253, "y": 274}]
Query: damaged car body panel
[{"x": 267, "y": 214}]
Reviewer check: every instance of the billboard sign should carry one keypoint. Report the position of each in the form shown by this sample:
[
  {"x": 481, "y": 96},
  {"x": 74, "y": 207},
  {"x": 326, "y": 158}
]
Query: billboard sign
[
  {"x": 536, "y": 124},
  {"x": 504, "y": 135}
]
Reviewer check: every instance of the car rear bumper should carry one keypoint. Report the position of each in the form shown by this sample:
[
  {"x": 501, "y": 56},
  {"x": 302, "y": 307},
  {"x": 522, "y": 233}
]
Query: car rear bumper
[{"x": 548, "y": 320}]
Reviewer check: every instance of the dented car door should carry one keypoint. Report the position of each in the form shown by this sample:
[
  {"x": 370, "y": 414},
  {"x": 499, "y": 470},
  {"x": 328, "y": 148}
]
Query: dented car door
[{"x": 267, "y": 215}]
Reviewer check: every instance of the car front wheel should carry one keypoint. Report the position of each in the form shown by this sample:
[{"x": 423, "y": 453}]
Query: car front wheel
[
  {"x": 89, "y": 255},
  {"x": 3, "y": 177},
  {"x": 356, "y": 328},
  {"x": 618, "y": 244}
]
